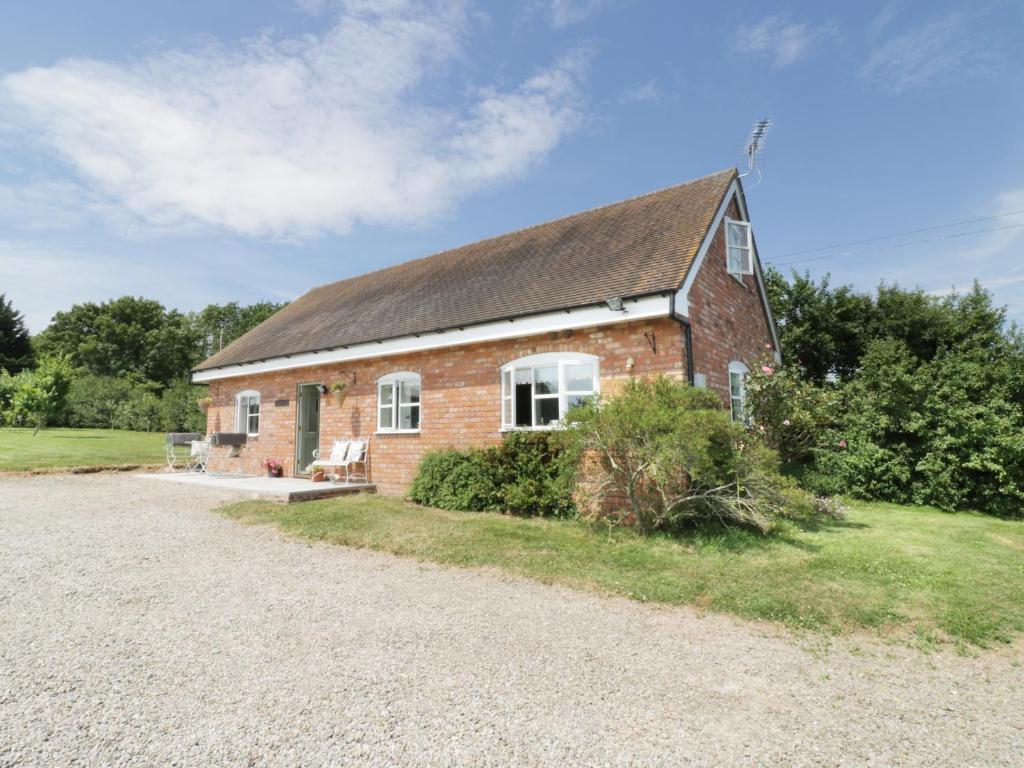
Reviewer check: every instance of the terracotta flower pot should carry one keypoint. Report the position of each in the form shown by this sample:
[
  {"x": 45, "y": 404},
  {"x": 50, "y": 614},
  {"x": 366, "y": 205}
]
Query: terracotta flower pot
[
  {"x": 319, "y": 476},
  {"x": 339, "y": 398}
]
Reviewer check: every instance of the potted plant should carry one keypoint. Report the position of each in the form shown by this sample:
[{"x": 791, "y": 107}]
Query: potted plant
[
  {"x": 340, "y": 390},
  {"x": 318, "y": 475},
  {"x": 274, "y": 467},
  {"x": 204, "y": 403}
]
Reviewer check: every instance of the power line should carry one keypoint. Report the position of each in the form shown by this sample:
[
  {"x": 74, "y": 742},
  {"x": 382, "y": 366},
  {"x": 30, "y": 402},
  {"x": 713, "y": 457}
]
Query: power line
[
  {"x": 898, "y": 245},
  {"x": 900, "y": 234}
]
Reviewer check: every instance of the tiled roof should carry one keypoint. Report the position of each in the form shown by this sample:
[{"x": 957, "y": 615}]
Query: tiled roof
[{"x": 639, "y": 246}]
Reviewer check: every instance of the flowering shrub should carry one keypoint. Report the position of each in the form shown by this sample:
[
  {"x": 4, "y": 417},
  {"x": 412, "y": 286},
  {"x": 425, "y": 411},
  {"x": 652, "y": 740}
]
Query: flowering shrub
[{"x": 791, "y": 415}]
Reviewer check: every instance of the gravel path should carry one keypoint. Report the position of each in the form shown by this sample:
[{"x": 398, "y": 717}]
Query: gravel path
[{"x": 138, "y": 628}]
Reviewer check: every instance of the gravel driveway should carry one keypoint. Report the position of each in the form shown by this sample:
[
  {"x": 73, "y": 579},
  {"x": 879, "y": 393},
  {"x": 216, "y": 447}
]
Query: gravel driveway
[{"x": 138, "y": 628}]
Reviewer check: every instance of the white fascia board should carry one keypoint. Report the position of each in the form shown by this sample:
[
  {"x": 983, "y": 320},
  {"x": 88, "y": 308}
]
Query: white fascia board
[
  {"x": 683, "y": 294},
  {"x": 641, "y": 308}
]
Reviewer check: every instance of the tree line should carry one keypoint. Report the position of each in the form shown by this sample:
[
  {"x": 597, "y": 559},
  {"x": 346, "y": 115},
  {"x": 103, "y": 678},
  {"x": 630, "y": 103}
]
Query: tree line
[
  {"x": 895, "y": 395},
  {"x": 123, "y": 363}
]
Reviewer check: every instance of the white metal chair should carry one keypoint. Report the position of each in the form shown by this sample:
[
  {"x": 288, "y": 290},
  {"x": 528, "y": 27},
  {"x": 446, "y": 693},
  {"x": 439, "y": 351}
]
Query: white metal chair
[
  {"x": 346, "y": 455},
  {"x": 199, "y": 456},
  {"x": 339, "y": 450},
  {"x": 179, "y": 449}
]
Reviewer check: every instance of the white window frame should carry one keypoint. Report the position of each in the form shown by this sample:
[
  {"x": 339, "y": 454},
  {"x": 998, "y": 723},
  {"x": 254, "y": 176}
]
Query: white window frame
[
  {"x": 243, "y": 420},
  {"x": 394, "y": 382},
  {"x": 748, "y": 249},
  {"x": 544, "y": 360},
  {"x": 736, "y": 368}
]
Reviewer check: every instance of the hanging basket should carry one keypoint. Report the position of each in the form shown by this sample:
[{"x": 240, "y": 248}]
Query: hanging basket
[{"x": 340, "y": 392}]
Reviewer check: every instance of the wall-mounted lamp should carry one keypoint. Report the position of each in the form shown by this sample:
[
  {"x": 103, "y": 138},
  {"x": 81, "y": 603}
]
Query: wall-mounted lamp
[
  {"x": 630, "y": 363},
  {"x": 615, "y": 304},
  {"x": 321, "y": 388}
]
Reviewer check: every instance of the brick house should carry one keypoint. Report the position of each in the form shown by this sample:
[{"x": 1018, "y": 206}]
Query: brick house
[{"x": 505, "y": 334}]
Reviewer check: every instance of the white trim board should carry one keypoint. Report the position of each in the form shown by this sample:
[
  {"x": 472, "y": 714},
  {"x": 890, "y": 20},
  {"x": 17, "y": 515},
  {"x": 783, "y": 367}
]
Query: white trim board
[{"x": 641, "y": 308}]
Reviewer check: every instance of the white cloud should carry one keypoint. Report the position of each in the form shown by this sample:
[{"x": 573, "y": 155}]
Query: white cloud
[
  {"x": 881, "y": 21},
  {"x": 780, "y": 39},
  {"x": 648, "y": 91},
  {"x": 562, "y": 13},
  {"x": 943, "y": 50},
  {"x": 295, "y": 138}
]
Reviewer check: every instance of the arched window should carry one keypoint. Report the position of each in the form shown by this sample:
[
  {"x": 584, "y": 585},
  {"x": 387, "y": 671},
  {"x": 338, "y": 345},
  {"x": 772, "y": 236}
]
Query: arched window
[
  {"x": 247, "y": 412},
  {"x": 537, "y": 391},
  {"x": 398, "y": 402},
  {"x": 738, "y": 390}
]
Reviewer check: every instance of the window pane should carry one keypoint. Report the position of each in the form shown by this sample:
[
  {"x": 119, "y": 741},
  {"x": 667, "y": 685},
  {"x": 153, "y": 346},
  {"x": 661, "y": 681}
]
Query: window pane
[
  {"x": 737, "y": 409},
  {"x": 736, "y": 259},
  {"x": 409, "y": 417},
  {"x": 506, "y": 410},
  {"x": 384, "y": 418},
  {"x": 387, "y": 394},
  {"x": 409, "y": 392},
  {"x": 254, "y": 424},
  {"x": 545, "y": 380},
  {"x": 547, "y": 410},
  {"x": 737, "y": 234},
  {"x": 523, "y": 402},
  {"x": 735, "y": 385},
  {"x": 573, "y": 400},
  {"x": 506, "y": 384},
  {"x": 522, "y": 376},
  {"x": 579, "y": 378}
]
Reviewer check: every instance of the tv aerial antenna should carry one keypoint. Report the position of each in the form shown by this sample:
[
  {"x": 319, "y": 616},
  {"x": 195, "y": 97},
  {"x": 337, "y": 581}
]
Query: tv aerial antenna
[{"x": 754, "y": 145}]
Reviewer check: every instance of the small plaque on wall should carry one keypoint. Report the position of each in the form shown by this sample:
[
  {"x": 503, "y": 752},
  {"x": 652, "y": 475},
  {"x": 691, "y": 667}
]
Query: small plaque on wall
[{"x": 281, "y": 403}]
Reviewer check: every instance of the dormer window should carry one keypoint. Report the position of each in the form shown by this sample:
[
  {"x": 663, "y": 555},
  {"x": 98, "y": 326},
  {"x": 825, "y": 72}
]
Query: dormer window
[{"x": 740, "y": 251}]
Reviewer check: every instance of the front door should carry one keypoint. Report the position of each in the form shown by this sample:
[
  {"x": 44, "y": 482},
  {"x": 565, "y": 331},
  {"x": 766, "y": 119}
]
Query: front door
[{"x": 307, "y": 426}]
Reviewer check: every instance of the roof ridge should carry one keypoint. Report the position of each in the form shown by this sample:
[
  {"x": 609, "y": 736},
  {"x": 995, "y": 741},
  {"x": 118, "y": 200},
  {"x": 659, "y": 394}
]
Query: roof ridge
[{"x": 527, "y": 228}]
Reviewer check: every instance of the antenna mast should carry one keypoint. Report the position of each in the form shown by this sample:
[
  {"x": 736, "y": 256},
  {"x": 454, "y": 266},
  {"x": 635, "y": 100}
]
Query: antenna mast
[{"x": 757, "y": 137}]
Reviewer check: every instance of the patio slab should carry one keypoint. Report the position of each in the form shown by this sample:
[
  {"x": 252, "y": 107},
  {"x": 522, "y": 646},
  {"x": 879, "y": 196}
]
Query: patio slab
[{"x": 282, "y": 489}]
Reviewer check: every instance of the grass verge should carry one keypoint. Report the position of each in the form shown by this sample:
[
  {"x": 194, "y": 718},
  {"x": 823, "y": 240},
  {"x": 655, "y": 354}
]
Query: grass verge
[
  {"x": 917, "y": 574},
  {"x": 21, "y": 451}
]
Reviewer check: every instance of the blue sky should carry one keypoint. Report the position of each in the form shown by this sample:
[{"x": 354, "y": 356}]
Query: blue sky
[{"x": 250, "y": 149}]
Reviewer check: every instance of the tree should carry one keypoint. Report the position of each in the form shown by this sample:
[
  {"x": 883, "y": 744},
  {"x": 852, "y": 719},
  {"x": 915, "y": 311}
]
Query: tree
[
  {"x": 823, "y": 331},
  {"x": 39, "y": 395},
  {"x": 15, "y": 343},
  {"x": 217, "y": 325},
  {"x": 122, "y": 337}
]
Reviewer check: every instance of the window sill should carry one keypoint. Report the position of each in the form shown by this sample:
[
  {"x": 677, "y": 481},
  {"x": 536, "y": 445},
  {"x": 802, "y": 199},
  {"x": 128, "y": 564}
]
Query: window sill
[
  {"x": 545, "y": 428},
  {"x": 738, "y": 277},
  {"x": 397, "y": 432}
]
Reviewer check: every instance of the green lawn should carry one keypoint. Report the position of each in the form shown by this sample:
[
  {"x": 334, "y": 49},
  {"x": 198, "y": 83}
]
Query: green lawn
[
  {"x": 20, "y": 450},
  {"x": 915, "y": 574}
]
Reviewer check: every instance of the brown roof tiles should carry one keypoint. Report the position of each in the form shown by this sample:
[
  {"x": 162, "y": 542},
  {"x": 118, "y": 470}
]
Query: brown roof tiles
[{"x": 638, "y": 246}]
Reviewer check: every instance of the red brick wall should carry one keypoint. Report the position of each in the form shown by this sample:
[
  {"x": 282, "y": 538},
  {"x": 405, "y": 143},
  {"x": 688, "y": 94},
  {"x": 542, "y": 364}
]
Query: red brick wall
[
  {"x": 726, "y": 317},
  {"x": 460, "y": 401}
]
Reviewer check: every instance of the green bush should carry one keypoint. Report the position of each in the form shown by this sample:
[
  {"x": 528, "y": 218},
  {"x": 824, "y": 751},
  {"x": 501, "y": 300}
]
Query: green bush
[
  {"x": 93, "y": 400},
  {"x": 792, "y": 415},
  {"x": 948, "y": 432},
  {"x": 140, "y": 412},
  {"x": 37, "y": 397},
  {"x": 664, "y": 456},
  {"x": 462, "y": 480},
  {"x": 179, "y": 407},
  {"x": 526, "y": 475}
]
